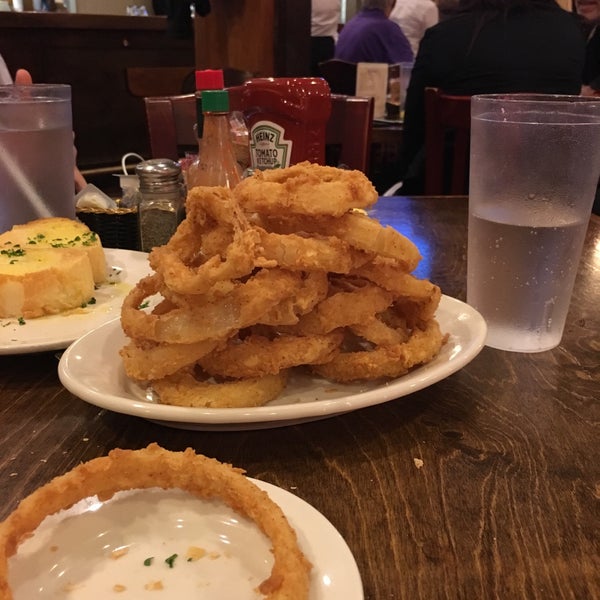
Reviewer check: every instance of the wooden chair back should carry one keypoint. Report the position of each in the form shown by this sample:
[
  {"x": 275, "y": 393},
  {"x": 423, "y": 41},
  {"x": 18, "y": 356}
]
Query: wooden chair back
[
  {"x": 157, "y": 81},
  {"x": 340, "y": 75},
  {"x": 348, "y": 134},
  {"x": 169, "y": 81},
  {"x": 447, "y": 143},
  {"x": 171, "y": 120}
]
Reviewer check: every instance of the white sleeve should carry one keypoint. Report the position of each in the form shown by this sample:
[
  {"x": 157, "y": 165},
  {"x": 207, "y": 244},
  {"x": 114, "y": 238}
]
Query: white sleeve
[
  {"x": 431, "y": 16},
  {"x": 5, "y": 78}
]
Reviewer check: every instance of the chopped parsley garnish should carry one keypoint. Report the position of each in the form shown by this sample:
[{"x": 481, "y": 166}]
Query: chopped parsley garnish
[
  {"x": 92, "y": 300},
  {"x": 148, "y": 561},
  {"x": 13, "y": 252},
  {"x": 87, "y": 239},
  {"x": 21, "y": 321},
  {"x": 144, "y": 304},
  {"x": 171, "y": 560}
]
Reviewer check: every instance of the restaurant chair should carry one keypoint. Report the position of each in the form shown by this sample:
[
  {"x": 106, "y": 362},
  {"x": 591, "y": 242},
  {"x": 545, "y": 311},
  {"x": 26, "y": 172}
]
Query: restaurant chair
[
  {"x": 340, "y": 75},
  {"x": 157, "y": 81},
  {"x": 231, "y": 77},
  {"x": 168, "y": 81},
  {"x": 171, "y": 120},
  {"x": 447, "y": 143},
  {"x": 348, "y": 134}
]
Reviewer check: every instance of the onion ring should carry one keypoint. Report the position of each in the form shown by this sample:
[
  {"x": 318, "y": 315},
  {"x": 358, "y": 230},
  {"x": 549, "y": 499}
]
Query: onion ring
[
  {"x": 311, "y": 291},
  {"x": 213, "y": 318},
  {"x": 305, "y": 188},
  {"x": 185, "y": 389},
  {"x": 385, "y": 361},
  {"x": 145, "y": 361},
  {"x": 344, "y": 308},
  {"x": 150, "y": 467},
  {"x": 225, "y": 239},
  {"x": 376, "y": 331},
  {"x": 300, "y": 253},
  {"x": 257, "y": 355},
  {"x": 359, "y": 230}
]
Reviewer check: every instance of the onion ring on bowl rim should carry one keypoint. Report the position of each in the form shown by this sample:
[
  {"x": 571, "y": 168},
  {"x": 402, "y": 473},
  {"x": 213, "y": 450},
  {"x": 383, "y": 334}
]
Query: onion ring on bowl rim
[
  {"x": 150, "y": 467},
  {"x": 185, "y": 389},
  {"x": 144, "y": 361}
]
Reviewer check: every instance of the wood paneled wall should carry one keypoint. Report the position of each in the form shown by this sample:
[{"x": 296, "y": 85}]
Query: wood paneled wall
[{"x": 264, "y": 37}]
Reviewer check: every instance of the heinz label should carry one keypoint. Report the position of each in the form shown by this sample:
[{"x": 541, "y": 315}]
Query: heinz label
[{"x": 268, "y": 147}]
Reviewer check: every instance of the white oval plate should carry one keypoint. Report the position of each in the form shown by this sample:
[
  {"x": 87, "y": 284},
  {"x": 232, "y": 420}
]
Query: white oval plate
[
  {"x": 125, "y": 269},
  {"x": 92, "y": 370},
  {"x": 73, "y": 553}
]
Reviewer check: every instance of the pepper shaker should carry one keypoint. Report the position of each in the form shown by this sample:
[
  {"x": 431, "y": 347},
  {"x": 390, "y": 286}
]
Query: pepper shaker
[{"x": 161, "y": 201}]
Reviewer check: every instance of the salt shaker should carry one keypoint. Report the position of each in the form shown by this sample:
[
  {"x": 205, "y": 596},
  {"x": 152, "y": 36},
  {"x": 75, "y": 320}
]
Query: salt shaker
[{"x": 161, "y": 201}]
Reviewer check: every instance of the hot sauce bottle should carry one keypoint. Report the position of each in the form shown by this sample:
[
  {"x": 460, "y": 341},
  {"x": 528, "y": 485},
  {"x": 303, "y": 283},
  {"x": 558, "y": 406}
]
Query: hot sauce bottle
[
  {"x": 206, "y": 79},
  {"x": 216, "y": 164},
  {"x": 286, "y": 118}
]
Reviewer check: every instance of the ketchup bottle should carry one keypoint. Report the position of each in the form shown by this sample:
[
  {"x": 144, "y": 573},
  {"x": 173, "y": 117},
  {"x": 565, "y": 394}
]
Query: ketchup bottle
[{"x": 286, "y": 118}]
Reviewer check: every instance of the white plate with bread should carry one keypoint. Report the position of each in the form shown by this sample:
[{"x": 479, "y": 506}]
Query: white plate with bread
[{"x": 57, "y": 283}]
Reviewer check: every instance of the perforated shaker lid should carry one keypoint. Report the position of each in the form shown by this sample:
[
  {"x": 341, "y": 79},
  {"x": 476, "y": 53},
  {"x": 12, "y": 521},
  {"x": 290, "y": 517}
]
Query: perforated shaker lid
[{"x": 157, "y": 172}]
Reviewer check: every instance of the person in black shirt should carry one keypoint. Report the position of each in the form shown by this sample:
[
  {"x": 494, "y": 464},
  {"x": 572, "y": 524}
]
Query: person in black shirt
[
  {"x": 490, "y": 46},
  {"x": 589, "y": 14}
]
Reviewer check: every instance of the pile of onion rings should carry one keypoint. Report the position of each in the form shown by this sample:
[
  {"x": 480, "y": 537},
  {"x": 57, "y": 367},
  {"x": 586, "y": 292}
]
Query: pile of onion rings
[
  {"x": 285, "y": 271},
  {"x": 151, "y": 467}
]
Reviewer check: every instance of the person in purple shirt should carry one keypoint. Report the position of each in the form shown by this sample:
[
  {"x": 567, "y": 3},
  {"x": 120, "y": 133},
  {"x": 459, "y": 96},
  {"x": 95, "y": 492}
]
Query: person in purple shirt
[{"x": 370, "y": 36}]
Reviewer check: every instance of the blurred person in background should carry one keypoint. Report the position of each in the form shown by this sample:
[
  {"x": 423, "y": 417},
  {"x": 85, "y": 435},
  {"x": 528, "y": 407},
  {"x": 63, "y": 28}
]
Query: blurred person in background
[
  {"x": 324, "y": 23},
  {"x": 370, "y": 36},
  {"x": 589, "y": 13},
  {"x": 490, "y": 46},
  {"x": 414, "y": 17},
  {"x": 447, "y": 8}
]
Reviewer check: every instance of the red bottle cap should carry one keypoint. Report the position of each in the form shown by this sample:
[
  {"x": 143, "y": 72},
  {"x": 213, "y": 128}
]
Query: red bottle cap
[{"x": 209, "y": 79}]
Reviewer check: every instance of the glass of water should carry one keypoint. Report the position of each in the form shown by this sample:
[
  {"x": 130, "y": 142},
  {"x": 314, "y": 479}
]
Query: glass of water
[
  {"x": 535, "y": 165},
  {"x": 36, "y": 153}
]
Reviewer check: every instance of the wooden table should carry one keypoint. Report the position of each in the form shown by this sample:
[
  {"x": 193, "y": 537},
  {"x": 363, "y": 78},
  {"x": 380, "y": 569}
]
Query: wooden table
[{"x": 507, "y": 501}]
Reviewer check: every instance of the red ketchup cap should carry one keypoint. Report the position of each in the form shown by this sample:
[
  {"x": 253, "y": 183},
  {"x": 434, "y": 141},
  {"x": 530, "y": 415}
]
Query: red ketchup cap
[{"x": 209, "y": 79}]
